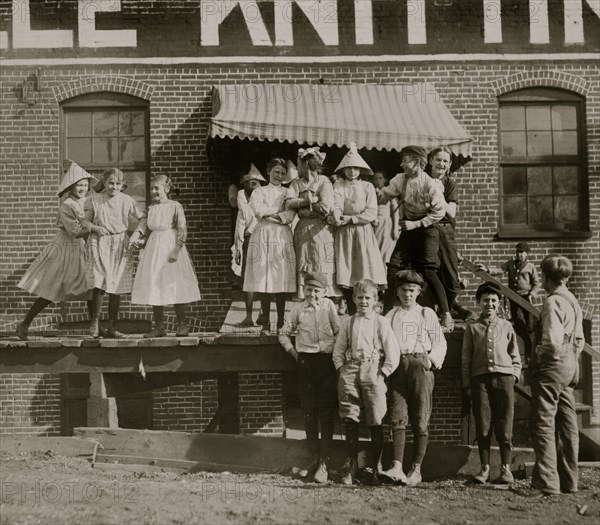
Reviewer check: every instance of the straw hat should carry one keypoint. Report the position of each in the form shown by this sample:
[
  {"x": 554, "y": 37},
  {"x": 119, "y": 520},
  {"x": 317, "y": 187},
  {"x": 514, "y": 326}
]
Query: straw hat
[
  {"x": 352, "y": 159},
  {"x": 291, "y": 173},
  {"x": 253, "y": 174},
  {"x": 73, "y": 175}
]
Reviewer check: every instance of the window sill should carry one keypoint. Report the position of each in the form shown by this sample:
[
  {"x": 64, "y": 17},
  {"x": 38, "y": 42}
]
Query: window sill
[{"x": 533, "y": 234}]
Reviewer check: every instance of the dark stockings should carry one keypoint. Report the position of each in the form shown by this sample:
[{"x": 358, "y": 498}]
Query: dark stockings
[{"x": 38, "y": 305}]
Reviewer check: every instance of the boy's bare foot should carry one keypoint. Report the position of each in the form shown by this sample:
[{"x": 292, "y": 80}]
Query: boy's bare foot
[
  {"x": 447, "y": 322},
  {"x": 247, "y": 321}
]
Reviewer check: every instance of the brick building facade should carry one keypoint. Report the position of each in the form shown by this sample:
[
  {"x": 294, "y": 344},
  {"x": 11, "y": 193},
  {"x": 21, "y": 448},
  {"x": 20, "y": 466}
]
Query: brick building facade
[{"x": 169, "y": 89}]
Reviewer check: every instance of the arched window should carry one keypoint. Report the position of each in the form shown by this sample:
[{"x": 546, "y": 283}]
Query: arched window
[
  {"x": 109, "y": 130},
  {"x": 543, "y": 180}
]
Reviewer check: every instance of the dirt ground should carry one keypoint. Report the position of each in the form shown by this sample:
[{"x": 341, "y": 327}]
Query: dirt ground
[{"x": 43, "y": 488}]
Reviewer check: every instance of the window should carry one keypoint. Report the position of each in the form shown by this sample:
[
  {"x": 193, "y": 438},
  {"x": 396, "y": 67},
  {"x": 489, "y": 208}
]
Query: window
[
  {"x": 109, "y": 130},
  {"x": 543, "y": 184}
]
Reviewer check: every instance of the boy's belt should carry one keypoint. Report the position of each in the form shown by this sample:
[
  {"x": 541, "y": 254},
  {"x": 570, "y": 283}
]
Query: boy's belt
[
  {"x": 364, "y": 360},
  {"x": 411, "y": 354}
]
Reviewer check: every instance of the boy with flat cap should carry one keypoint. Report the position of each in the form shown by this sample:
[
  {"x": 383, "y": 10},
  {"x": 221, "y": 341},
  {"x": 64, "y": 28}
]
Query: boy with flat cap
[
  {"x": 422, "y": 206},
  {"x": 422, "y": 349},
  {"x": 491, "y": 365},
  {"x": 522, "y": 279},
  {"x": 317, "y": 324}
]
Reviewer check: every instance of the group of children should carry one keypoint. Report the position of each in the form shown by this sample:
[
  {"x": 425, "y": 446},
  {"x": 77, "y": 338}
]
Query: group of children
[
  {"x": 348, "y": 231},
  {"x": 92, "y": 253},
  {"x": 384, "y": 366},
  {"x": 368, "y": 365}
]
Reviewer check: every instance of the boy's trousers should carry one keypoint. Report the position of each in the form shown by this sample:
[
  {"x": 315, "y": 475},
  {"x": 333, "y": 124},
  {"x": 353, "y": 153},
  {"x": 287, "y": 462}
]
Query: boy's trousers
[
  {"x": 554, "y": 422},
  {"x": 494, "y": 403},
  {"x": 318, "y": 399},
  {"x": 361, "y": 386},
  {"x": 411, "y": 388}
]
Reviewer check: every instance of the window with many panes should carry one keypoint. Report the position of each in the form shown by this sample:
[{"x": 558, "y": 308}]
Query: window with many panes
[
  {"x": 109, "y": 130},
  {"x": 543, "y": 183}
]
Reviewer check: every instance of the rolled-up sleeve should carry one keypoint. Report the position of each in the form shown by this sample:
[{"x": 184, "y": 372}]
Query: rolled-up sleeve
[
  {"x": 73, "y": 220},
  {"x": 342, "y": 344},
  {"x": 390, "y": 347}
]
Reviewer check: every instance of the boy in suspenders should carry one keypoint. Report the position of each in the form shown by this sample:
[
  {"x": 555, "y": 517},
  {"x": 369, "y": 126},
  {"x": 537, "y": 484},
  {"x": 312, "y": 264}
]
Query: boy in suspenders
[
  {"x": 365, "y": 354},
  {"x": 554, "y": 373}
]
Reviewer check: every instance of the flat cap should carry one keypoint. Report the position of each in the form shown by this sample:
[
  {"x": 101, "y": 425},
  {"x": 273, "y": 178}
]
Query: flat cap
[
  {"x": 316, "y": 279},
  {"x": 409, "y": 276},
  {"x": 522, "y": 246},
  {"x": 417, "y": 151},
  {"x": 488, "y": 288}
]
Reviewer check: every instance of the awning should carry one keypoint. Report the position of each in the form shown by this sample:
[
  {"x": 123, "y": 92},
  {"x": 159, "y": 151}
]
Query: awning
[{"x": 384, "y": 117}]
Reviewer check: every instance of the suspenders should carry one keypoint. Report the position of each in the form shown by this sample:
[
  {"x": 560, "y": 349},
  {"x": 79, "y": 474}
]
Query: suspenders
[{"x": 376, "y": 331}]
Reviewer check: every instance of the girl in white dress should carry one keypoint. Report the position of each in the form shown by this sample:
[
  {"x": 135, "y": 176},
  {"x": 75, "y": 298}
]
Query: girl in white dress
[
  {"x": 59, "y": 271},
  {"x": 387, "y": 225},
  {"x": 357, "y": 253},
  {"x": 165, "y": 274},
  {"x": 109, "y": 214},
  {"x": 271, "y": 264}
]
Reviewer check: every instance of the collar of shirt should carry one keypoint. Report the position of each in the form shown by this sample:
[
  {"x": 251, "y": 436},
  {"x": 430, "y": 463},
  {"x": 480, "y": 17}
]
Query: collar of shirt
[
  {"x": 487, "y": 321},
  {"x": 308, "y": 306},
  {"x": 369, "y": 315}
]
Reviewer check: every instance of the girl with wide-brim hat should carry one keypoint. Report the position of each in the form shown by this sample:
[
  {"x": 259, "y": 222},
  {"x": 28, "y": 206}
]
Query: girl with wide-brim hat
[
  {"x": 357, "y": 254},
  {"x": 59, "y": 272}
]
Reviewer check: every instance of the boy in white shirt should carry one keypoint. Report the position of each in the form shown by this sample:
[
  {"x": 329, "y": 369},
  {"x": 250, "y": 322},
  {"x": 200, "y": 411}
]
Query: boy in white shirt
[{"x": 422, "y": 349}]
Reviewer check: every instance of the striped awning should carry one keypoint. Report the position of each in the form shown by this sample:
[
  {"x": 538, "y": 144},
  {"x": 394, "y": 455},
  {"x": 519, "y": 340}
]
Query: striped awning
[{"x": 383, "y": 117}]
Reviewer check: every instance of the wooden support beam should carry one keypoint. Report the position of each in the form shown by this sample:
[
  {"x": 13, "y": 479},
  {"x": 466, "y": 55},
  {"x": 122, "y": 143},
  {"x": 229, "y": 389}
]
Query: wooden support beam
[
  {"x": 201, "y": 358},
  {"x": 101, "y": 410}
]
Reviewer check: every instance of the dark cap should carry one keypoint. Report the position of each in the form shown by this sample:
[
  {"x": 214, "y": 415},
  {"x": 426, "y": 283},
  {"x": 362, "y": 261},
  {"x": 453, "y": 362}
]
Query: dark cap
[
  {"x": 417, "y": 151},
  {"x": 522, "y": 247},
  {"x": 409, "y": 276},
  {"x": 488, "y": 288},
  {"x": 316, "y": 279}
]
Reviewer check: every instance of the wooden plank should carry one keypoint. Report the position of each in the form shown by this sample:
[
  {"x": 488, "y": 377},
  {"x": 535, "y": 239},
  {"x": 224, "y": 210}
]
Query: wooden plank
[
  {"x": 203, "y": 358},
  {"x": 524, "y": 303}
]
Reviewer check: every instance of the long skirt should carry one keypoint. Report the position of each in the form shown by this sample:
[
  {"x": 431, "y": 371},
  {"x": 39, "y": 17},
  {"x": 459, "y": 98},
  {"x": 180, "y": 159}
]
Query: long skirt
[
  {"x": 383, "y": 234},
  {"x": 314, "y": 244},
  {"x": 271, "y": 261},
  {"x": 357, "y": 256},
  {"x": 159, "y": 282},
  {"x": 58, "y": 273},
  {"x": 109, "y": 264}
]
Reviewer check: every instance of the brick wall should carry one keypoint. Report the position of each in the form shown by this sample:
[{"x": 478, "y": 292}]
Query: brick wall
[
  {"x": 261, "y": 404},
  {"x": 185, "y": 408},
  {"x": 30, "y": 404},
  {"x": 180, "y": 107}
]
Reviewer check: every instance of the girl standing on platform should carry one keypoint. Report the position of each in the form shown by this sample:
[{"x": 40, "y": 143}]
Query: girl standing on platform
[
  {"x": 271, "y": 264},
  {"x": 357, "y": 254},
  {"x": 244, "y": 226},
  {"x": 165, "y": 274},
  {"x": 387, "y": 223},
  {"x": 109, "y": 214},
  {"x": 311, "y": 195},
  {"x": 58, "y": 272}
]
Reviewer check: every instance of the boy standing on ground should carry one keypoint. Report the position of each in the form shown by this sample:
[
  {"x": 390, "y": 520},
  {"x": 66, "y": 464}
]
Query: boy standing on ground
[
  {"x": 317, "y": 324},
  {"x": 365, "y": 354},
  {"x": 522, "y": 279},
  {"x": 491, "y": 365},
  {"x": 422, "y": 349},
  {"x": 554, "y": 371}
]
